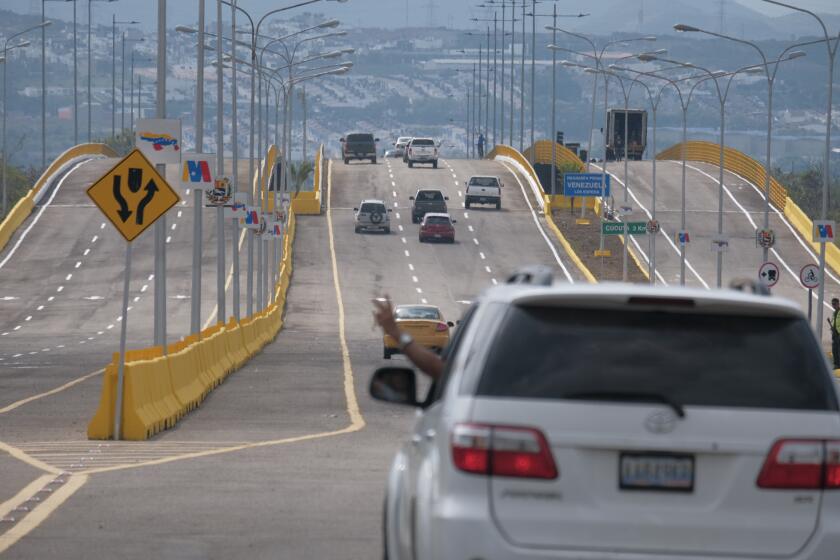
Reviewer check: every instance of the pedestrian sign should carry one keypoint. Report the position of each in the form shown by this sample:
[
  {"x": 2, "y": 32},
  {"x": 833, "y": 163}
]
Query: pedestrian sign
[
  {"x": 617, "y": 228},
  {"x": 133, "y": 195}
]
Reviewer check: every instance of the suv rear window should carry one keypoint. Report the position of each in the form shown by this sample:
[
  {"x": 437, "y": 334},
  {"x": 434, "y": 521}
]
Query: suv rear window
[
  {"x": 359, "y": 138},
  {"x": 429, "y": 196},
  {"x": 484, "y": 182},
  {"x": 370, "y": 207},
  {"x": 422, "y": 142},
  {"x": 692, "y": 359}
]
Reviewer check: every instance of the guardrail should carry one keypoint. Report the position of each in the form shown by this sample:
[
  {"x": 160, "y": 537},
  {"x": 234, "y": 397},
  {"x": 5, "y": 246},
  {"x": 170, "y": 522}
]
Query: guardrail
[
  {"x": 21, "y": 210},
  {"x": 160, "y": 389},
  {"x": 734, "y": 161}
]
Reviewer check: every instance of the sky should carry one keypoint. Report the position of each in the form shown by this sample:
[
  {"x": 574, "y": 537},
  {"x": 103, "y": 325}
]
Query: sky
[{"x": 354, "y": 12}]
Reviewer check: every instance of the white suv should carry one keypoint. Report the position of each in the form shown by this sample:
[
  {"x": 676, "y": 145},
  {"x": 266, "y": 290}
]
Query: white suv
[{"x": 620, "y": 422}]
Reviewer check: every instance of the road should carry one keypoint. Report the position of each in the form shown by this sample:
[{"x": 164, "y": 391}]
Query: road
[
  {"x": 288, "y": 457},
  {"x": 743, "y": 213}
]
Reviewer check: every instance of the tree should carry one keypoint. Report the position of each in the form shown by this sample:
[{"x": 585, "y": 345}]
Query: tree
[{"x": 299, "y": 173}]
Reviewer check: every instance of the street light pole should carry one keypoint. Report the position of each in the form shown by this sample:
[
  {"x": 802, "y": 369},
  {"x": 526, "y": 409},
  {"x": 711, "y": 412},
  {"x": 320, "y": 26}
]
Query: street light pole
[
  {"x": 235, "y": 153},
  {"x": 160, "y": 224},
  {"x": 495, "y": 83},
  {"x": 512, "y": 67},
  {"x": 522, "y": 87},
  {"x": 43, "y": 88},
  {"x": 220, "y": 169}
]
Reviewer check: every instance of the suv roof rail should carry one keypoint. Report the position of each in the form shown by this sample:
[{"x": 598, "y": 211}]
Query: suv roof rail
[
  {"x": 536, "y": 275},
  {"x": 750, "y": 286}
]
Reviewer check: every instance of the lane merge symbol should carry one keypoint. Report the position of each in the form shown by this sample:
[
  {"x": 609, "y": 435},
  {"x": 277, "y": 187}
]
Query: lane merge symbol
[{"x": 133, "y": 195}]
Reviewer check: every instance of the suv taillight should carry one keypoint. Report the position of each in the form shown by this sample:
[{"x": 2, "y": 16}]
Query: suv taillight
[
  {"x": 502, "y": 451},
  {"x": 812, "y": 464}
]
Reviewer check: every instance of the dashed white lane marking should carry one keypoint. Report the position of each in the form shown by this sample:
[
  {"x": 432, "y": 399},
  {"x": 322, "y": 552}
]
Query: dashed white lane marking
[
  {"x": 179, "y": 211},
  {"x": 419, "y": 290},
  {"x": 475, "y": 240},
  {"x": 397, "y": 214},
  {"x": 60, "y": 289},
  {"x": 39, "y": 308},
  {"x": 102, "y": 225},
  {"x": 404, "y": 240},
  {"x": 174, "y": 226},
  {"x": 136, "y": 299},
  {"x": 424, "y": 301},
  {"x": 482, "y": 255},
  {"x": 50, "y": 298},
  {"x": 168, "y": 238},
  {"x": 151, "y": 277},
  {"x": 415, "y": 279},
  {"x": 407, "y": 254},
  {"x": 17, "y": 328},
  {"x": 396, "y": 205},
  {"x": 466, "y": 215},
  {"x": 109, "y": 327},
  {"x": 86, "y": 253},
  {"x": 411, "y": 267},
  {"x": 470, "y": 228},
  {"x": 495, "y": 282},
  {"x": 456, "y": 184},
  {"x": 400, "y": 227},
  {"x": 69, "y": 277},
  {"x": 28, "y": 318},
  {"x": 78, "y": 264},
  {"x": 93, "y": 240},
  {"x": 146, "y": 286},
  {"x": 487, "y": 268},
  {"x": 394, "y": 194}
]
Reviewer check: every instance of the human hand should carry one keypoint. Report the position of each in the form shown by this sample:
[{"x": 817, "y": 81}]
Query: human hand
[{"x": 383, "y": 314}]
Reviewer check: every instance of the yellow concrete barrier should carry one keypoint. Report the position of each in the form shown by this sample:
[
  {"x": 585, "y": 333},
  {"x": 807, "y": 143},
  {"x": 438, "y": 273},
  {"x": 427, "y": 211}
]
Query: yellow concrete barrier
[
  {"x": 159, "y": 389},
  {"x": 21, "y": 210}
]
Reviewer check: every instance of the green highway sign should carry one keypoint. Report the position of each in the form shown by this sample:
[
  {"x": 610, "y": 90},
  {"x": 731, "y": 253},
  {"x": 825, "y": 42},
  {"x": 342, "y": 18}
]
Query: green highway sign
[{"x": 617, "y": 228}]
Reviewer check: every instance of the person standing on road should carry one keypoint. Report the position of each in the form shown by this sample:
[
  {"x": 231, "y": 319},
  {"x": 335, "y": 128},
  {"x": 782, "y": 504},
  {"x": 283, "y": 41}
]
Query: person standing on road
[
  {"x": 835, "y": 333},
  {"x": 480, "y": 145},
  {"x": 427, "y": 361}
]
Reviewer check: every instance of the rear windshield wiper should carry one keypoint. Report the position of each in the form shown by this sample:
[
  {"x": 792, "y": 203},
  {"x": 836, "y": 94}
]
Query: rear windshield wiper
[{"x": 628, "y": 397}]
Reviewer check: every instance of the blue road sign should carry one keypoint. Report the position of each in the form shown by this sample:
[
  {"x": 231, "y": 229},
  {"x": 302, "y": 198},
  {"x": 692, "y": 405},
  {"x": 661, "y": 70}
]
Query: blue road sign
[{"x": 584, "y": 184}]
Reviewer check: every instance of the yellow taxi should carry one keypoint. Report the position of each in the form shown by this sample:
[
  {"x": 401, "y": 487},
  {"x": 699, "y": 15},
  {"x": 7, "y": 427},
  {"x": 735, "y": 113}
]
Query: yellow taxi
[{"x": 425, "y": 324}]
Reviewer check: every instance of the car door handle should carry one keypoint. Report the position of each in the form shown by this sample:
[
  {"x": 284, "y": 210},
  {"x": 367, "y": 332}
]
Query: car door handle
[
  {"x": 416, "y": 440},
  {"x": 430, "y": 434}
]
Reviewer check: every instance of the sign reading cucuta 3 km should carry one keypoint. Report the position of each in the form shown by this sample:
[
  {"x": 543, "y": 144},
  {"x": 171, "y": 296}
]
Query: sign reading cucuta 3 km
[
  {"x": 197, "y": 171},
  {"x": 159, "y": 140}
]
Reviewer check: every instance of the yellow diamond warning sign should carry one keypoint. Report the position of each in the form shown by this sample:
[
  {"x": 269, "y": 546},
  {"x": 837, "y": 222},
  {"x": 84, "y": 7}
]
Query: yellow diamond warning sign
[{"x": 133, "y": 195}]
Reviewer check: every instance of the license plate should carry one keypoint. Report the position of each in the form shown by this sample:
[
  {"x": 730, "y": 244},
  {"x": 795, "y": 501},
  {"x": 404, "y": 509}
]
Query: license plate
[
  {"x": 655, "y": 472},
  {"x": 438, "y": 235}
]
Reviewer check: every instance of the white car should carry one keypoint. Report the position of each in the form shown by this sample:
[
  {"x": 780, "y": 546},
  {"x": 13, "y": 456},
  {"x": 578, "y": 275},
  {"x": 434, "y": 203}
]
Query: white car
[
  {"x": 483, "y": 190},
  {"x": 619, "y": 422},
  {"x": 422, "y": 150}
]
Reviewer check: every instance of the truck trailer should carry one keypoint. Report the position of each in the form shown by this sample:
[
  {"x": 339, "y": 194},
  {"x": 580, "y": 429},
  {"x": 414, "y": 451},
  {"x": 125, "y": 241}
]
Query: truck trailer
[{"x": 636, "y": 124}]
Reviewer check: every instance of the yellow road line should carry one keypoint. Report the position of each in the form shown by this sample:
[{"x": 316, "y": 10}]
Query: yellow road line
[
  {"x": 28, "y": 491},
  {"x": 64, "y": 387},
  {"x": 41, "y": 512},
  {"x": 26, "y": 458},
  {"x": 356, "y": 418}
]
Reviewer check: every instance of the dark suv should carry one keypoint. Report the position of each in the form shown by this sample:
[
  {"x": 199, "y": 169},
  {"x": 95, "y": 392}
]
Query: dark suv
[
  {"x": 359, "y": 146},
  {"x": 426, "y": 201}
]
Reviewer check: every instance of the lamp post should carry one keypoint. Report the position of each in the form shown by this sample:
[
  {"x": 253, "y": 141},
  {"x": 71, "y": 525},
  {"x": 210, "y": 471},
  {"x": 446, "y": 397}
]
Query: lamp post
[
  {"x": 6, "y": 49},
  {"x": 114, "y": 24},
  {"x": 832, "y": 55},
  {"x": 771, "y": 79},
  {"x": 90, "y": 70},
  {"x": 534, "y": 15},
  {"x": 75, "y": 76},
  {"x": 122, "y": 76},
  {"x": 131, "y": 89}
]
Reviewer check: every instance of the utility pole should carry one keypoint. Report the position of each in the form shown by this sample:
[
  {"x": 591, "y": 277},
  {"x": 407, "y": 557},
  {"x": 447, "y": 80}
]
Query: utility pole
[
  {"x": 220, "y": 167},
  {"x": 195, "y": 294},
  {"x": 160, "y": 225}
]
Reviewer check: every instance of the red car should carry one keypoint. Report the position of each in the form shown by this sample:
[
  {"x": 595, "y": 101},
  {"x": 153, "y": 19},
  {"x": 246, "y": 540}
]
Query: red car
[{"x": 437, "y": 227}]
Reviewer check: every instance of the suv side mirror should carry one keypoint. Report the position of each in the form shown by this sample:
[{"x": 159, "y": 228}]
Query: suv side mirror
[
  {"x": 390, "y": 209},
  {"x": 410, "y": 198},
  {"x": 341, "y": 139},
  {"x": 454, "y": 221},
  {"x": 445, "y": 198},
  {"x": 376, "y": 139},
  {"x": 355, "y": 209},
  {"x": 450, "y": 324},
  {"x": 394, "y": 385}
]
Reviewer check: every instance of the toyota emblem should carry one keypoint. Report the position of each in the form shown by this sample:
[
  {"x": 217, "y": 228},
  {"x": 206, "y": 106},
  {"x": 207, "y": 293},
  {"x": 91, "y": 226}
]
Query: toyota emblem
[{"x": 661, "y": 422}]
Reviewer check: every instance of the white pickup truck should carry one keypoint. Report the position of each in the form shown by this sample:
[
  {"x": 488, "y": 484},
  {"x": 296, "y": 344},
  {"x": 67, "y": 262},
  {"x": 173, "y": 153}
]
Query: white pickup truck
[
  {"x": 484, "y": 190},
  {"x": 422, "y": 150}
]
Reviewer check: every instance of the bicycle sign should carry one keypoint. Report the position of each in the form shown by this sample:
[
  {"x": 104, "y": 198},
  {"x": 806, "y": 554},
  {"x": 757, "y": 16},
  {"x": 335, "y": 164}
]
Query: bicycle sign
[{"x": 810, "y": 276}]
